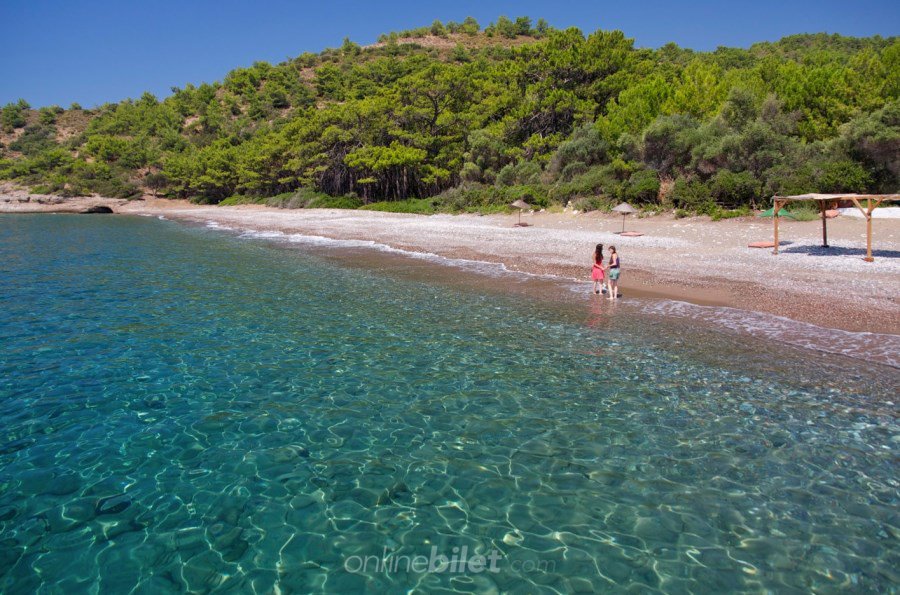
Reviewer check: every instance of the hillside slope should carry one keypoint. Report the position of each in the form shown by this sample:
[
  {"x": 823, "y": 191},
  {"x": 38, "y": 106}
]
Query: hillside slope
[{"x": 474, "y": 118}]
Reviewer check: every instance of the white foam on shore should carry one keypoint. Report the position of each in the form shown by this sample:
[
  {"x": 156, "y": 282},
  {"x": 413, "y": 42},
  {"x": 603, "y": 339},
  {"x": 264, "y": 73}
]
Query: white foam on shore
[
  {"x": 873, "y": 347},
  {"x": 480, "y": 266}
]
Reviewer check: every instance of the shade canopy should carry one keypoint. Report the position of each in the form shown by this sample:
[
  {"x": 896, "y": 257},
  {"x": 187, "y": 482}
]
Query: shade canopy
[
  {"x": 871, "y": 200},
  {"x": 521, "y": 204},
  {"x": 828, "y": 197},
  {"x": 624, "y": 208}
]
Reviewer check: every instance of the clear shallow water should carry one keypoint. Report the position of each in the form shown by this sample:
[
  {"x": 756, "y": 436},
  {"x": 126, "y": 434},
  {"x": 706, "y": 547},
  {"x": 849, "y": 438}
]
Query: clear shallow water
[{"x": 183, "y": 410}]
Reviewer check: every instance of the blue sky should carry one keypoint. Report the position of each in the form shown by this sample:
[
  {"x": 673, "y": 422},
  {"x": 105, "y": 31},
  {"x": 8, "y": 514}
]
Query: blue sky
[{"x": 91, "y": 52}]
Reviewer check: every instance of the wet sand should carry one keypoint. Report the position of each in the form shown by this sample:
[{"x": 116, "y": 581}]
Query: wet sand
[{"x": 694, "y": 260}]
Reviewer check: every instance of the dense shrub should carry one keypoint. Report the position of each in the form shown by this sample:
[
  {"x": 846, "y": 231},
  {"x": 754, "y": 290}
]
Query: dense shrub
[
  {"x": 597, "y": 180},
  {"x": 732, "y": 189},
  {"x": 12, "y": 116},
  {"x": 240, "y": 199},
  {"x": 523, "y": 173},
  {"x": 483, "y": 198},
  {"x": 307, "y": 198},
  {"x": 584, "y": 149},
  {"x": 642, "y": 187},
  {"x": 422, "y": 206},
  {"x": 591, "y": 203},
  {"x": 844, "y": 176},
  {"x": 34, "y": 140},
  {"x": 691, "y": 194}
]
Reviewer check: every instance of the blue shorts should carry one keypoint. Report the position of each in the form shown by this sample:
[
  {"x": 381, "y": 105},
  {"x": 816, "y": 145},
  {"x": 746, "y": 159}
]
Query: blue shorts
[{"x": 614, "y": 274}]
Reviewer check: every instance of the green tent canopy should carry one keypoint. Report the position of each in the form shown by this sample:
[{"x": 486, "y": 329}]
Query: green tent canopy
[{"x": 782, "y": 213}]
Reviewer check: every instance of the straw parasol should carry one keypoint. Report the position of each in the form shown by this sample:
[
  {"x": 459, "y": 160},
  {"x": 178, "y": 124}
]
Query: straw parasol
[
  {"x": 521, "y": 205},
  {"x": 625, "y": 209}
]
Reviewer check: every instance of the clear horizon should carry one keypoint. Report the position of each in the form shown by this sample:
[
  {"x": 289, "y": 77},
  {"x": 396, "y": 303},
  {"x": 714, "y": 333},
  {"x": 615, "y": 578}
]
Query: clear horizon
[{"x": 101, "y": 51}]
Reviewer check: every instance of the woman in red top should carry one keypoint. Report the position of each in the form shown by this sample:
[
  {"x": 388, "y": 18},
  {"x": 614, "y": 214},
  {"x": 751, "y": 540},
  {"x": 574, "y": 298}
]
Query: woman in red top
[{"x": 598, "y": 270}]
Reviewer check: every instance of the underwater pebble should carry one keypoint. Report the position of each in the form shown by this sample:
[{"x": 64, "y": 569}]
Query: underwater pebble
[{"x": 113, "y": 504}]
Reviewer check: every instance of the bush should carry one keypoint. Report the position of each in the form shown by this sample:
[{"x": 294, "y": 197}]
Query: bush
[
  {"x": 156, "y": 181},
  {"x": 34, "y": 140},
  {"x": 591, "y": 203},
  {"x": 573, "y": 170},
  {"x": 691, "y": 195},
  {"x": 421, "y": 206},
  {"x": 481, "y": 198},
  {"x": 597, "y": 180},
  {"x": 522, "y": 173},
  {"x": 240, "y": 199},
  {"x": 585, "y": 148},
  {"x": 47, "y": 115},
  {"x": 307, "y": 198},
  {"x": 668, "y": 142},
  {"x": 786, "y": 180},
  {"x": 717, "y": 213},
  {"x": 734, "y": 189},
  {"x": 844, "y": 176},
  {"x": 641, "y": 187},
  {"x": 12, "y": 116},
  {"x": 347, "y": 201},
  {"x": 805, "y": 212}
]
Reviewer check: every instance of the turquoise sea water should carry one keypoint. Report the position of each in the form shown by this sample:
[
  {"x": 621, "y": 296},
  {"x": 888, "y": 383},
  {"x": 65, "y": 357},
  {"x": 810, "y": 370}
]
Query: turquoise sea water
[{"x": 184, "y": 410}]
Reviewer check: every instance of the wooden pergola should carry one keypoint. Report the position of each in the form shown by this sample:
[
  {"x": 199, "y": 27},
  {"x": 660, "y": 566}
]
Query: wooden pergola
[{"x": 823, "y": 200}]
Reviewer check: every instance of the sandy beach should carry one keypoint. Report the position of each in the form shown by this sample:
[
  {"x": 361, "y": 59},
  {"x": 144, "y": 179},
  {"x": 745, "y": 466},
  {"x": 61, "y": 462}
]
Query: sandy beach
[{"x": 693, "y": 260}]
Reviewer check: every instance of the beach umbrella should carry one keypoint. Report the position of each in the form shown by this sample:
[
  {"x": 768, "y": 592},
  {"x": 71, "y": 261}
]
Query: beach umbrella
[
  {"x": 782, "y": 213},
  {"x": 521, "y": 205},
  {"x": 625, "y": 209}
]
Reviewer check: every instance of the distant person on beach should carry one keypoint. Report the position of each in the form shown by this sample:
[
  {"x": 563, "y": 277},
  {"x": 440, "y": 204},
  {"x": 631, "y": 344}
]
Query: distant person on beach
[
  {"x": 598, "y": 271},
  {"x": 613, "y": 283}
]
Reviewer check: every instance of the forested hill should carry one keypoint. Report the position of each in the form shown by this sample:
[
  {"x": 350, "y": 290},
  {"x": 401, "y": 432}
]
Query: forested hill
[{"x": 476, "y": 117}]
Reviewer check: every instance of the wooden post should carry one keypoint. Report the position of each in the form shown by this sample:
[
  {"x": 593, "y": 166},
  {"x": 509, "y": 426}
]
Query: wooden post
[
  {"x": 869, "y": 208},
  {"x": 775, "y": 218},
  {"x": 824, "y": 224},
  {"x": 867, "y": 213}
]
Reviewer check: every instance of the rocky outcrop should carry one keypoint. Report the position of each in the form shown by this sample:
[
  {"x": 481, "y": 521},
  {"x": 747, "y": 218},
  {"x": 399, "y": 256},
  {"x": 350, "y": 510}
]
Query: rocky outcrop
[{"x": 97, "y": 209}]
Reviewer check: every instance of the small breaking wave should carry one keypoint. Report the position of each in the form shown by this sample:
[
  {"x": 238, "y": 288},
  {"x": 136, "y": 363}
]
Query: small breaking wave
[
  {"x": 480, "y": 266},
  {"x": 872, "y": 347}
]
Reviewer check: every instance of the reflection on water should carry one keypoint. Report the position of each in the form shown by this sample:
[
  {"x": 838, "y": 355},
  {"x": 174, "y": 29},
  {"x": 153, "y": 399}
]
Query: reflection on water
[{"x": 187, "y": 411}]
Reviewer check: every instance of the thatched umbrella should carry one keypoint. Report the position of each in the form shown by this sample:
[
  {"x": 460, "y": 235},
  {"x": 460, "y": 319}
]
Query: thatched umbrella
[
  {"x": 521, "y": 205},
  {"x": 625, "y": 209}
]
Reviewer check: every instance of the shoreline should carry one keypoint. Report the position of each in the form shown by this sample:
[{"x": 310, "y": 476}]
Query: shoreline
[{"x": 676, "y": 259}]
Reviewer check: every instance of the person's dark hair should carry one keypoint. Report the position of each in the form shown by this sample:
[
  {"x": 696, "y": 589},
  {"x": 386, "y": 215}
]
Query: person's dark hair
[{"x": 598, "y": 253}]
